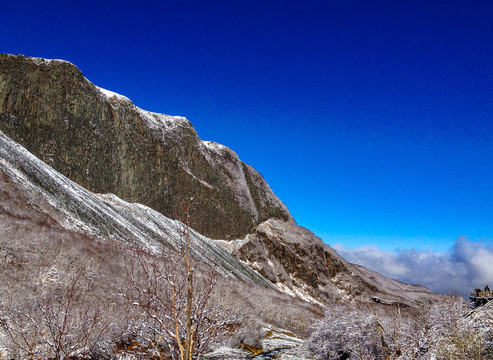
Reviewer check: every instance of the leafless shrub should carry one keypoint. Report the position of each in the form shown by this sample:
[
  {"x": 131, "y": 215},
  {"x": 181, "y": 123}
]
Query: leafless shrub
[
  {"x": 249, "y": 302},
  {"x": 452, "y": 332},
  {"x": 63, "y": 323},
  {"x": 443, "y": 331},
  {"x": 346, "y": 332},
  {"x": 170, "y": 292}
]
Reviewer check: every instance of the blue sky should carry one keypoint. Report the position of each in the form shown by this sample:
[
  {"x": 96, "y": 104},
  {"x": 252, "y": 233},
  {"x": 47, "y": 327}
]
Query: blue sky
[{"x": 371, "y": 120}]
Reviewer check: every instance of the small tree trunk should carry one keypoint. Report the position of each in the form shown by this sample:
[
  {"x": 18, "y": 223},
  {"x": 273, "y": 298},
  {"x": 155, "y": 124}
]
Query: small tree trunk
[{"x": 188, "y": 340}]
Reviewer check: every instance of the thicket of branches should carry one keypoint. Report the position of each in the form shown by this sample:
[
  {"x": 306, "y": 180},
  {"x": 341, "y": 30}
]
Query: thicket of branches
[
  {"x": 161, "y": 309},
  {"x": 445, "y": 330},
  {"x": 64, "y": 322},
  {"x": 171, "y": 299}
]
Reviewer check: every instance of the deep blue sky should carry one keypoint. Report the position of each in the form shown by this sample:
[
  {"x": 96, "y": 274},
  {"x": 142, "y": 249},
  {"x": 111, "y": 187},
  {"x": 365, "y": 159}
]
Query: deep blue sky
[{"x": 371, "y": 120}]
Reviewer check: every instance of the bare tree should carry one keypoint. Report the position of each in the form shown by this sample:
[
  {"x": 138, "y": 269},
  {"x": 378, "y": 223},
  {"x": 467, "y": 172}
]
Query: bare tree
[
  {"x": 171, "y": 292},
  {"x": 63, "y": 323}
]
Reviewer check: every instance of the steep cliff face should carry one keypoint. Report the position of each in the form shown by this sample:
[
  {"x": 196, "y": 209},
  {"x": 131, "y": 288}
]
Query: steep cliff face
[{"x": 106, "y": 144}]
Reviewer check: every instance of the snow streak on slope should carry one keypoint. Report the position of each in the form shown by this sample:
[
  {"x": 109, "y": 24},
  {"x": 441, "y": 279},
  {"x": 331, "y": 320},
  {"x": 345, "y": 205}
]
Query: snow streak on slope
[
  {"x": 109, "y": 216},
  {"x": 157, "y": 226}
]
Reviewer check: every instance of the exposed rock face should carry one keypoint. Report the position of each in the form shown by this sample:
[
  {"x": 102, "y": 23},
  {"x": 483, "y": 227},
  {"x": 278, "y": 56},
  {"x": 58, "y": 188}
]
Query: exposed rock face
[
  {"x": 104, "y": 143},
  {"x": 481, "y": 297},
  {"x": 50, "y": 226},
  {"x": 300, "y": 264}
]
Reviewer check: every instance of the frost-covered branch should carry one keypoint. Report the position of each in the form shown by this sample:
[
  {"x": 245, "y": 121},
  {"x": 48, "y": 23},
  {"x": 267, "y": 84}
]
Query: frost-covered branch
[
  {"x": 64, "y": 322},
  {"x": 171, "y": 292},
  {"x": 444, "y": 330}
]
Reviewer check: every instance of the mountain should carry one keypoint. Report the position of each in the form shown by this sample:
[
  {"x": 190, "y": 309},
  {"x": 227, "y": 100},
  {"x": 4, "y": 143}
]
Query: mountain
[
  {"x": 105, "y": 216},
  {"x": 106, "y": 144},
  {"x": 104, "y": 168}
]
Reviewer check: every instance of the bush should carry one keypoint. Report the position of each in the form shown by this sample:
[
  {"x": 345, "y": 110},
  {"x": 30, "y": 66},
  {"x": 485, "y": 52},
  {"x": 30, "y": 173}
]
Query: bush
[{"x": 444, "y": 330}]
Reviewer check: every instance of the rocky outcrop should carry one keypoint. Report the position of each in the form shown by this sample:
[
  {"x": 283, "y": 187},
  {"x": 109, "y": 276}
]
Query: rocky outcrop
[
  {"x": 481, "y": 297},
  {"x": 103, "y": 142},
  {"x": 270, "y": 343},
  {"x": 300, "y": 264}
]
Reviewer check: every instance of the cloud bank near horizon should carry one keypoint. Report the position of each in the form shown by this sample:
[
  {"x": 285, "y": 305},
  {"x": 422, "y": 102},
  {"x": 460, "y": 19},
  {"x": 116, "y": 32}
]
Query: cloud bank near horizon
[{"x": 466, "y": 266}]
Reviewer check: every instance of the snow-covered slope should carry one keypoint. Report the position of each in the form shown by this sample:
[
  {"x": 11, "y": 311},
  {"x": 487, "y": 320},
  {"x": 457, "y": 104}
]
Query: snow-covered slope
[{"x": 78, "y": 209}]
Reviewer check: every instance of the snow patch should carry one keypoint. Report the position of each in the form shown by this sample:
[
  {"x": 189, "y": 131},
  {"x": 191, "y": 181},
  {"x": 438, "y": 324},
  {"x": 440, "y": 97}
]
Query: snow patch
[
  {"x": 297, "y": 292},
  {"x": 153, "y": 120},
  {"x": 43, "y": 61},
  {"x": 214, "y": 146},
  {"x": 185, "y": 167},
  {"x": 232, "y": 245},
  {"x": 161, "y": 121},
  {"x": 113, "y": 95}
]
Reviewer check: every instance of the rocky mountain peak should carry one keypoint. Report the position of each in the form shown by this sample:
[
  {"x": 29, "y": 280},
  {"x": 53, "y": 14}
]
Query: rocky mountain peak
[{"x": 105, "y": 143}]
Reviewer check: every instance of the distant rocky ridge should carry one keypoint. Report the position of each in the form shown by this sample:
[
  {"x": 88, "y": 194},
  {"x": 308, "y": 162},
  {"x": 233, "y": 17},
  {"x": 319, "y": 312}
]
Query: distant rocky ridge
[{"x": 104, "y": 143}]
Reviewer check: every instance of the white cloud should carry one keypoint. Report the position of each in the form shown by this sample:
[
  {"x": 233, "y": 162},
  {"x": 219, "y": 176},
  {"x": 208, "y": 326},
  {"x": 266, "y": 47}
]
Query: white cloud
[{"x": 466, "y": 266}]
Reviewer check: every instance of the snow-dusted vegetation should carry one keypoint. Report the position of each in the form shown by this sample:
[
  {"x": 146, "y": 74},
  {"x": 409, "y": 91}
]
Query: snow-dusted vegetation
[
  {"x": 444, "y": 330},
  {"x": 171, "y": 293}
]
